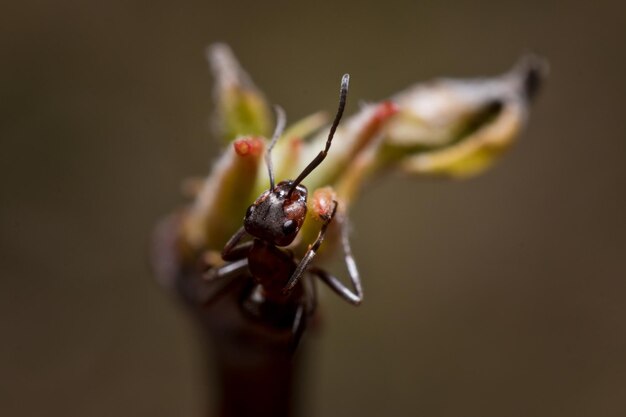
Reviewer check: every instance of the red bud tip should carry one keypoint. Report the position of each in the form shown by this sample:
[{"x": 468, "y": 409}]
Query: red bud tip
[
  {"x": 295, "y": 143},
  {"x": 323, "y": 202},
  {"x": 248, "y": 146},
  {"x": 385, "y": 110}
]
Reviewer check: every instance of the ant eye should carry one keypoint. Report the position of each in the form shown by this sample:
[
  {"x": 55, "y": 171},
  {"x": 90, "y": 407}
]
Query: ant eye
[
  {"x": 250, "y": 211},
  {"x": 289, "y": 227}
]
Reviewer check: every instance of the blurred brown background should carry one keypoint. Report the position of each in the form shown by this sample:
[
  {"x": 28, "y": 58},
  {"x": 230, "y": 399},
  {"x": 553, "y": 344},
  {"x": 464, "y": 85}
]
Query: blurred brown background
[{"x": 499, "y": 296}]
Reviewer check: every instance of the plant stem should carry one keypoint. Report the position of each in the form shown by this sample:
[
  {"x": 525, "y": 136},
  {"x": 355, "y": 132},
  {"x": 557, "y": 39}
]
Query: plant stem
[{"x": 253, "y": 365}]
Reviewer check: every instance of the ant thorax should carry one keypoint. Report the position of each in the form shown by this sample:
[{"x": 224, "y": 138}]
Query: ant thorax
[{"x": 278, "y": 214}]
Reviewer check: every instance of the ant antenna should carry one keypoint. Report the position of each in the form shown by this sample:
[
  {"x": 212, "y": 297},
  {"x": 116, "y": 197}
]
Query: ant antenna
[
  {"x": 343, "y": 94},
  {"x": 280, "y": 126}
]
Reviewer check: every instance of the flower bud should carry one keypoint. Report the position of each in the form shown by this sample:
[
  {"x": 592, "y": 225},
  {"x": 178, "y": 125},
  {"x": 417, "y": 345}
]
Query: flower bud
[
  {"x": 218, "y": 209},
  {"x": 241, "y": 109}
]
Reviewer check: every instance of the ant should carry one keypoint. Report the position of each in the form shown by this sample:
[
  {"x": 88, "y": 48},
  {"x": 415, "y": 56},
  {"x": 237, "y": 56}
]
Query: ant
[{"x": 278, "y": 294}]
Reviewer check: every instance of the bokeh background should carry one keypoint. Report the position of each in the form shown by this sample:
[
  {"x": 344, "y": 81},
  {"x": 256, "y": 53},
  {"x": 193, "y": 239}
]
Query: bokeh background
[{"x": 499, "y": 296}]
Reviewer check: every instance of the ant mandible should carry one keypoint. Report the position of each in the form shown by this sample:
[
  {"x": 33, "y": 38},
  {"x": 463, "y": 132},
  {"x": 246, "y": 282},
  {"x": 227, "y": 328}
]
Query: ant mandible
[{"x": 278, "y": 294}]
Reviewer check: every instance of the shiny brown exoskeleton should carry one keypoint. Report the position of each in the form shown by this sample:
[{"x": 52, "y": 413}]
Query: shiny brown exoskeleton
[{"x": 278, "y": 295}]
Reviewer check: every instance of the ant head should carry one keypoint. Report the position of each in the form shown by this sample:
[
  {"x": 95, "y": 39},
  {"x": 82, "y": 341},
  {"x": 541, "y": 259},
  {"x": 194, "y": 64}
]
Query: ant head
[{"x": 277, "y": 215}]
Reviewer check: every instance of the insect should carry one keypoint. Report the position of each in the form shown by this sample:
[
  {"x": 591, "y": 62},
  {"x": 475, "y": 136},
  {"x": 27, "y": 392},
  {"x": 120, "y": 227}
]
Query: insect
[{"x": 282, "y": 291}]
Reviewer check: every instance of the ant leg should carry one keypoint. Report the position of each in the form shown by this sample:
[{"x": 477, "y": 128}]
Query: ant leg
[
  {"x": 231, "y": 251},
  {"x": 226, "y": 271},
  {"x": 297, "y": 328},
  {"x": 353, "y": 297},
  {"x": 303, "y": 312},
  {"x": 310, "y": 293},
  {"x": 217, "y": 283},
  {"x": 310, "y": 253}
]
